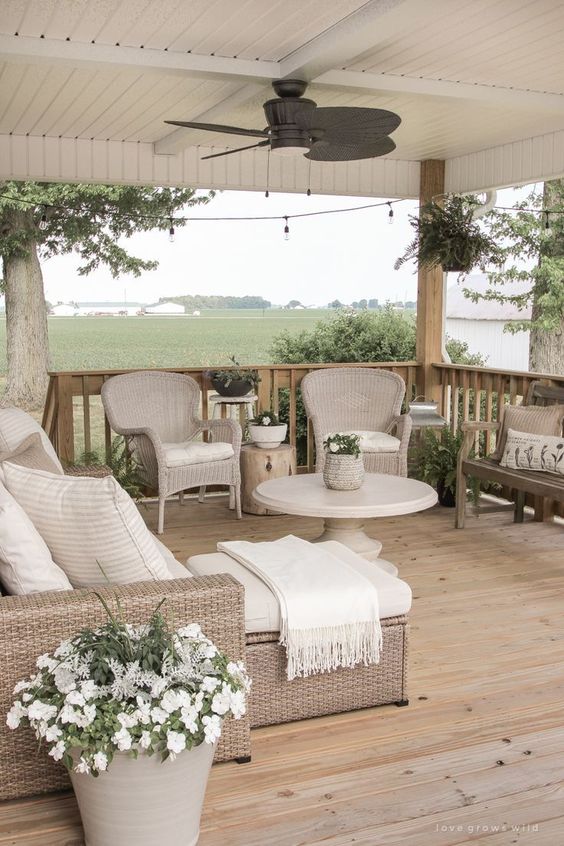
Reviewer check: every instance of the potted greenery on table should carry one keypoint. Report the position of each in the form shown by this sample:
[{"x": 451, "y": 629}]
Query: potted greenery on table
[
  {"x": 343, "y": 469},
  {"x": 134, "y": 713},
  {"x": 447, "y": 235},
  {"x": 236, "y": 381},
  {"x": 435, "y": 462},
  {"x": 266, "y": 431}
]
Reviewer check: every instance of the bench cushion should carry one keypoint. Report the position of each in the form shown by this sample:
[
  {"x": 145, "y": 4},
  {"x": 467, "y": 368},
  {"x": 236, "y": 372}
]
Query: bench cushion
[{"x": 262, "y": 613}]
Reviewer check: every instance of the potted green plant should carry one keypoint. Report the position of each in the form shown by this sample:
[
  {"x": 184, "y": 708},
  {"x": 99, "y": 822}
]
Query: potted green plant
[
  {"x": 343, "y": 469},
  {"x": 435, "y": 462},
  {"x": 134, "y": 713},
  {"x": 266, "y": 431},
  {"x": 447, "y": 235},
  {"x": 236, "y": 381}
]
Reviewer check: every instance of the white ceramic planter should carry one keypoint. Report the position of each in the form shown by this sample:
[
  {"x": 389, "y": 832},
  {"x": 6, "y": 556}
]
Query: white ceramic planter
[
  {"x": 145, "y": 802},
  {"x": 268, "y": 437},
  {"x": 343, "y": 472}
]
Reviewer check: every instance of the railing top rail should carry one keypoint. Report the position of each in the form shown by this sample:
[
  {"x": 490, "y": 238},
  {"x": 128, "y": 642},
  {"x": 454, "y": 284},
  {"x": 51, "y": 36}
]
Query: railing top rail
[
  {"x": 181, "y": 368},
  {"x": 473, "y": 368}
]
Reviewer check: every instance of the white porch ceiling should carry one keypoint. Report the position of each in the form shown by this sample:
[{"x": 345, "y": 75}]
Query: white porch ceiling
[{"x": 85, "y": 87}]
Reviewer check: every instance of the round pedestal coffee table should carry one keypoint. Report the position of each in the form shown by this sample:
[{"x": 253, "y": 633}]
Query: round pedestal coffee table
[{"x": 345, "y": 512}]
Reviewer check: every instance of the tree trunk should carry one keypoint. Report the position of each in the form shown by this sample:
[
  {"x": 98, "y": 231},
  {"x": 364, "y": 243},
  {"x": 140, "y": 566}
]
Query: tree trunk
[{"x": 27, "y": 340}]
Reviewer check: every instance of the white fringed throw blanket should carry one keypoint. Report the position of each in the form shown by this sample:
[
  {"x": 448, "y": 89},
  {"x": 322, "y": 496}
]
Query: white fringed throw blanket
[{"x": 329, "y": 612}]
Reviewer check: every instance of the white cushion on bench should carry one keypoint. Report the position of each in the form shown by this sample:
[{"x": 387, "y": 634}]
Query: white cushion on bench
[{"x": 262, "y": 613}]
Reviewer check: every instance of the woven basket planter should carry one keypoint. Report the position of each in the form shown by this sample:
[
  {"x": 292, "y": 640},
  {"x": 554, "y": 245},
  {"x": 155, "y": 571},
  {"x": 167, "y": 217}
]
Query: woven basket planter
[{"x": 343, "y": 472}]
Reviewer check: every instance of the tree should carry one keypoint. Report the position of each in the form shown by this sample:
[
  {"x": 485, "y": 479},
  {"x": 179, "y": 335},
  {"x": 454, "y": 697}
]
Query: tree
[
  {"x": 534, "y": 259},
  {"x": 41, "y": 220},
  {"x": 293, "y": 304},
  {"x": 335, "y": 304}
]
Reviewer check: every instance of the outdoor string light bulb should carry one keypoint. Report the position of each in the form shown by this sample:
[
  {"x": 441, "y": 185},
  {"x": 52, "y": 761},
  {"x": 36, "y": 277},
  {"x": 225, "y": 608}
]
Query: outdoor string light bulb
[
  {"x": 547, "y": 228},
  {"x": 390, "y": 214},
  {"x": 171, "y": 232},
  {"x": 43, "y": 221},
  {"x": 286, "y": 230}
]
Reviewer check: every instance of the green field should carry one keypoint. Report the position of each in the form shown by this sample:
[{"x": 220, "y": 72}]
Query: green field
[{"x": 106, "y": 343}]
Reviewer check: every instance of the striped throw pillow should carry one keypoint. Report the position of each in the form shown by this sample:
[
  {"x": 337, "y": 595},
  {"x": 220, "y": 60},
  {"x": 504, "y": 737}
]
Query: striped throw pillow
[{"x": 535, "y": 419}]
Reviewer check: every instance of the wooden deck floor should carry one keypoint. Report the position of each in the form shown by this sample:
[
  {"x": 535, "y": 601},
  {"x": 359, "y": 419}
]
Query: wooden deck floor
[{"x": 477, "y": 756}]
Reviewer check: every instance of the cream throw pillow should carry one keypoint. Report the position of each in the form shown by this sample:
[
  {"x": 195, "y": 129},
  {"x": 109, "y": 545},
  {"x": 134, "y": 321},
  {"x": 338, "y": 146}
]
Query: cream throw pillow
[
  {"x": 16, "y": 425},
  {"x": 92, "y": 526},
  {"x": 535, "y": 419},
  {"x": 26, "y": 565},
  {"x": 524, "y": 451},
  {"x": 31, "y": 453}
]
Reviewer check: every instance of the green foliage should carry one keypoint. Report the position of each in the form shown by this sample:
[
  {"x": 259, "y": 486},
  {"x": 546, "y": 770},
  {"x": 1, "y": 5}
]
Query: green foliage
[
  {"x": 265, "y": 418},
  {"x": 446, "y": 235},
  {"x": 124, "y": 467},
  {"x": 340, "y": 444},
  {"x": 436, "y": 456},
  {"x": 533, "y": 257},
  {"x": 203, "y": 301},
  {"x": 459, "y": 353},
  {"x": 87, "y": 219},
  {"x": 235, "y": 374}
]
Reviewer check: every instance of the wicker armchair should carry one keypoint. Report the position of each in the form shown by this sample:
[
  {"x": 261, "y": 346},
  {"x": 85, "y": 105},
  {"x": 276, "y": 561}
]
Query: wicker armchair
[
  {"x": 157, "y": 411},
  {"x": 363, "y": 399},
  {"x": 31, "y": 625}
]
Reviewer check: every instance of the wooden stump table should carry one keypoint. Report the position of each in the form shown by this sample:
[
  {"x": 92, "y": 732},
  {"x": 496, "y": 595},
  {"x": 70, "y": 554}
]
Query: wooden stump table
[{"x": 259, "y": 465}]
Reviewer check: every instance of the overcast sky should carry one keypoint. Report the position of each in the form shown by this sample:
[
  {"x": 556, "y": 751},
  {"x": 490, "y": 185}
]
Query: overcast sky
[{"x": 343, "y": 256}]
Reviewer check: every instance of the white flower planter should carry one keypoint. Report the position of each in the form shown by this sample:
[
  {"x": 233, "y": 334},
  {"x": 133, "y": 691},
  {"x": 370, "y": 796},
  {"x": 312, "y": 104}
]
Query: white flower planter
[
  {"x": 268, "y": 437},
  {"x": 145, "y": 802},
  {"x": 343, "y": 472}
]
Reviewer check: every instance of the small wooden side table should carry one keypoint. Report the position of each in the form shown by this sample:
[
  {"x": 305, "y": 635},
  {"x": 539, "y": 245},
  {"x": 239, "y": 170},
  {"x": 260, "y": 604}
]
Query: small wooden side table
[
  {"x": 224, "y": 407},
  {"x": 260, "y": 465}
]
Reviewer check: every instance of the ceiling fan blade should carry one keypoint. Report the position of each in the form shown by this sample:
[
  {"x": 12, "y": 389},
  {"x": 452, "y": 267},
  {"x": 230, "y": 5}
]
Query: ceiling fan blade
[
  {"x": 323, "y": 151},
  {"x": 218, "y": 127},
  {"x": 238, "y": 150},
  {"x": 349, "y": 124}
]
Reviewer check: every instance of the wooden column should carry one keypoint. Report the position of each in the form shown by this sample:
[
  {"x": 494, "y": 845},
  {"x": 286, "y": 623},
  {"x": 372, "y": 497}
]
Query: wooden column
[{"x": 430, "y": 292}]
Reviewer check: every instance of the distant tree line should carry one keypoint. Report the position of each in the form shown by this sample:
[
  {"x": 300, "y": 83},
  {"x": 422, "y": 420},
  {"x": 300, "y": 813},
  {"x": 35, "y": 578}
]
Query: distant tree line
[{"x": 199, "y": 301}]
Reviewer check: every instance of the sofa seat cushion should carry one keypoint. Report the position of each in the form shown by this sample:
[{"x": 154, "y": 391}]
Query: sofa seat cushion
[
  {"x": 196, "y": 452},
  {"x": 91, "y": 525},
  {"x": 262, "y": 613},
  {"x": 375, "y": 441}
]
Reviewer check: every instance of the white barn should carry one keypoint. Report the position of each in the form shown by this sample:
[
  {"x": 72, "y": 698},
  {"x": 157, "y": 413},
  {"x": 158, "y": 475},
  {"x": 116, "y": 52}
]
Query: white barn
[
  {"x": 63, "y": 310},
  {"x": 165, "y": 308},
  {"x": 481, "y": 325}
]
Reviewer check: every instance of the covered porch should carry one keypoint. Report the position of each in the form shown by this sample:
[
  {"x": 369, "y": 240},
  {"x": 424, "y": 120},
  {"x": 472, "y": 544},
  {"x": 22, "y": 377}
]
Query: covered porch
[{"x": 475, "y": 757}]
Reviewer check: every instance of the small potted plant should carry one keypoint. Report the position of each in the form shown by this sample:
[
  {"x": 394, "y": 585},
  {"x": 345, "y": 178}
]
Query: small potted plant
[
  {"x": 343, "y": 469},
  {"x": 435, "y": 462},
  {"x": 266, "y": 431},
  {"x": 447, "y": 235},
  {"x": 134, "y": 713},
  {"x": 236, "y": 381}
]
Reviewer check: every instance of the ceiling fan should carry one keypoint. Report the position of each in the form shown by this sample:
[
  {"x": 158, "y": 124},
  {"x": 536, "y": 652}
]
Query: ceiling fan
[{"x": 298, "y": 125}]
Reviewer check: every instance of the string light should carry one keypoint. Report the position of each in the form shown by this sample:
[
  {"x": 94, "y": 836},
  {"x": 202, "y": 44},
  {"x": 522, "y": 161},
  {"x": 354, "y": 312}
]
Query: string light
[
  {"x": 286, "y": 230},
  {"x": 171, "y": 231},
  {"x": 43, "y": 221},
  {"x": 547, "y": 229},
  {"x": 390, "y": 214}
]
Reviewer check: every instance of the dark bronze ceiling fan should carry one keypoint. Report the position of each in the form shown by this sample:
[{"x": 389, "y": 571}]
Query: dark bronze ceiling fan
[{"x": 298, "y": 125}]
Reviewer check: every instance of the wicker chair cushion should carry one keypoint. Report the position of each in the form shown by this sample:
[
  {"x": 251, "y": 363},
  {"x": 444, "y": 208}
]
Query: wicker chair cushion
[
  {"x": 92, "y": 527},
  {"x": 262, "y": 613},
  {"x": 26, "y": 565},
  {"x": 196, "y": 452},
  {"x": 16, "y": 425},
  {"x": 375, "y": 441}
]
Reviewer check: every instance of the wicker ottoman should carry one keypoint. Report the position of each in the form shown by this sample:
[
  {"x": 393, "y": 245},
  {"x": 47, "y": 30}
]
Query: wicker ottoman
[{"x": 274, "y": 699}]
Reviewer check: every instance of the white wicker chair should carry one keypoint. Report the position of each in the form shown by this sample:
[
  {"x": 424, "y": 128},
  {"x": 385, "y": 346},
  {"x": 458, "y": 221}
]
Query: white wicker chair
[
  {"x": 157, "y": 411},
  {"x": 359, "y": 399}
]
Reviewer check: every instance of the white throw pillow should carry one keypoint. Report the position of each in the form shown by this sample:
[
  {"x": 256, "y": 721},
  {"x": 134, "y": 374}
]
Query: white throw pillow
[
  {"x": 16, "y": 425},
  {"x": 26, "y": 565},
  {"x": 524, "y": 451},
  {"x": 92, "y": 526}
]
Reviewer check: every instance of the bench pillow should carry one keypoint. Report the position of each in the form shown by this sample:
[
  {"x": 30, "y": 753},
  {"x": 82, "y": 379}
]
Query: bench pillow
[
  {"x": 524, "y": 451},
  {"x": 26, "y": 565},
  {"x": 91, "y": 526},
  {"x": 536, "y": 419}
]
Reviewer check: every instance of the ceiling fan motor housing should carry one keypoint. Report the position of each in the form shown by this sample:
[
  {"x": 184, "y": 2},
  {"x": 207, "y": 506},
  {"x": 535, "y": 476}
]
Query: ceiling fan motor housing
[{"x": 281, "y": 119}]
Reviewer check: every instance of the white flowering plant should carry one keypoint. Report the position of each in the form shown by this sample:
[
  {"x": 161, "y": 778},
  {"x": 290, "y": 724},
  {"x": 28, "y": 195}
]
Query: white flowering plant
[
  {"x": 124, "y": 688},
  {"x": 265, "y": 418},
  {"x": 341, "y": 444}
]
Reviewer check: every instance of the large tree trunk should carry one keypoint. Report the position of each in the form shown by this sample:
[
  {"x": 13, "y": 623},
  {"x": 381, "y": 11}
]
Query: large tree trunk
[{"x": 26, "y": 331}]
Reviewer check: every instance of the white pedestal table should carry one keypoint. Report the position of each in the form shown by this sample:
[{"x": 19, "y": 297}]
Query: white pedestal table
[{"x": 345, "y": 512}]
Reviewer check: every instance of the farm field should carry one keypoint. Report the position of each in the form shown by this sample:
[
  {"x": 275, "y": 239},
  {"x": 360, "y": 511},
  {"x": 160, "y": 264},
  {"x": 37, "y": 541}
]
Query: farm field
[{"x": 98, "y": 343}]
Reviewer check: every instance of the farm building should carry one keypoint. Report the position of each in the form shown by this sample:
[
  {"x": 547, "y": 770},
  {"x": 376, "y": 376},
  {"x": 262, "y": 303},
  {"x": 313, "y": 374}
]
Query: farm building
[
  {"x": 105, "y": 309},
  {"x": 63, "y": 310},
  {"x": 165, "y": 308},
  {"x": 481, "y": 325}
]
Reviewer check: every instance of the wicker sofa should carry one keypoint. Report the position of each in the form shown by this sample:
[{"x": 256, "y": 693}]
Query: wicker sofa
[{"x": 33, "y": 624}]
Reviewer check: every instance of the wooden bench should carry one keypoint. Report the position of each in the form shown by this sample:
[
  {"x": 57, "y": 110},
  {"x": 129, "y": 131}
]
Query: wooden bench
[{"x": 543, "y": 486}]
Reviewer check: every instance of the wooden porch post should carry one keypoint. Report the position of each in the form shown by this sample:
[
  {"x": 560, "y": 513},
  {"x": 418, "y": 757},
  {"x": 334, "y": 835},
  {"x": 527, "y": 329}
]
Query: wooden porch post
[{"x": 430, "y": 292}]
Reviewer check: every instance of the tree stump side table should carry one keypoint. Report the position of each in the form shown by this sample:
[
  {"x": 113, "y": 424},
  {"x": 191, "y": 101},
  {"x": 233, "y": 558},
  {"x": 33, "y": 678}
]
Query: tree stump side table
[{"x": 260, "y": 465}]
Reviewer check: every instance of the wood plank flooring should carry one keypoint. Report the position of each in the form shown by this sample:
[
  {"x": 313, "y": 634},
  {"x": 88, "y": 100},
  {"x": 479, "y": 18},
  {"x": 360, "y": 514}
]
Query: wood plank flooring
[{"x": 478, "y": 756}]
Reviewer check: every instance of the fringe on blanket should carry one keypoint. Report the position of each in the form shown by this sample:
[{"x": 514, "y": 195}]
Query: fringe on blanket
[{"x": 321, "y": 650}]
